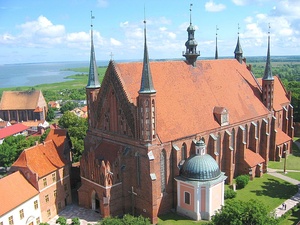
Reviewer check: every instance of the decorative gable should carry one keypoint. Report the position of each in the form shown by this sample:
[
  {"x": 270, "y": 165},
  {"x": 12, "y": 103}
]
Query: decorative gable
[
  {"x": 221, "y": 115},
  {"x": 115, "y": 112}
]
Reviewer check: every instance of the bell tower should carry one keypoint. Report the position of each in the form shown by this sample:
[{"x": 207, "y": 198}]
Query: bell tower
[{"x": 191, "y": 53}]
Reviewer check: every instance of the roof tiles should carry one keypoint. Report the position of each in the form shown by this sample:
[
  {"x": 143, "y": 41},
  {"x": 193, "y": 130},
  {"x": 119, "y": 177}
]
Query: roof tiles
[
  {"x": 41, "y": 159},
  {"x": 184, "y": 91},
  {"x": 14, "y": 100},
  {"x": 15, "y": 190},
  {"x": 11, "y": 130}
]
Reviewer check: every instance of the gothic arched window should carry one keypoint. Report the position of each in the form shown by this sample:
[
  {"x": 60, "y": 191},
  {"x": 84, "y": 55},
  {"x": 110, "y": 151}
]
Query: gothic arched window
[{"x": 163, "y": 174}]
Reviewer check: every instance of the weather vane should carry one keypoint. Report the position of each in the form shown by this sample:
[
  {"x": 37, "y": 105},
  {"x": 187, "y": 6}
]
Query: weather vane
[
  {"x": 191, "y": 13},
  {"x": 238, "y": 28},
  {"x": 92, "y": 17},
  {"x": 217, "y": 30},
  {"x": 269, "y": 28}
]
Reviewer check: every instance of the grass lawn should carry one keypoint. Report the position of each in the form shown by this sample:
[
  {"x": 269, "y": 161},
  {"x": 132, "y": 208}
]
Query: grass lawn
[
  {"x": 294, "y": 175},
  {"x": 173, "y": 218},
  {"x": 270, "y": 190}
]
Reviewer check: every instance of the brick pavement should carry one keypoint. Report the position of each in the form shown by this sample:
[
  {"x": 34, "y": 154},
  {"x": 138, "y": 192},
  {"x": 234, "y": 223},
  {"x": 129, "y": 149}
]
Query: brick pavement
[{"x": 86, "y": 216}]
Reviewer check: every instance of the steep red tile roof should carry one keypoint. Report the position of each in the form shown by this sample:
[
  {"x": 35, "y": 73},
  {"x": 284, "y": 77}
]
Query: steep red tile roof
[
  {"x": 59, "y": 137},
  {"x": 84, "y": 108},
  {"x": 41, "y": 159},
  {"x": 252, "y": 158},
  {"x": 14, "y": 190},
  {"x": 280, "y": 95},
  {"x": 187, "y": 93},
  {"x": 13, "y": 100},
  {"x": 11, "y": 130},
  {"x": 282, "y": 137}
]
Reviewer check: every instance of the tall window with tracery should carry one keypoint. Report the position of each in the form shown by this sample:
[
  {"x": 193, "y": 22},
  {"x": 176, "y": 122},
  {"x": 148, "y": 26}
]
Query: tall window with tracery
[
  {"x": 163, "y": 170},
  {"x": 232, "y": 144},
  {"x": 153, "y": 119}
]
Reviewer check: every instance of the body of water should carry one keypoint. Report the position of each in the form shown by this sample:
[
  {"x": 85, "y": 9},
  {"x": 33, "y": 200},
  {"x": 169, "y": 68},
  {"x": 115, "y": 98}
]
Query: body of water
[{"x": 31, "y": 74}]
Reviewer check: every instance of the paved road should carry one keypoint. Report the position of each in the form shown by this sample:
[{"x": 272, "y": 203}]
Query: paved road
[{"x": 294, "y": 200}]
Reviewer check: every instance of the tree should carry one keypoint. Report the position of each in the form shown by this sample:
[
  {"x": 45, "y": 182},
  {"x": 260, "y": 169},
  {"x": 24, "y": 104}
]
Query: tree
[
  {"x": 61, "y": 220},
  {"x": 77, "y": 128},
  {"x": 69, "y": 105},
  {"x": 126, "y": 220},
  {"x": 242, "y": 181},
  {"x": 50, "y": 114},
  {"x": 236, "y": 212},
  {"x": 75, "y": 221},
  {"x": 12, "y": 147}
]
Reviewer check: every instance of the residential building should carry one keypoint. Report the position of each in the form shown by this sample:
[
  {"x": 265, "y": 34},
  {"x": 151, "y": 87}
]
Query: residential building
[
  {"x": 147, "y": 117},
  {"x": 19, "y": 200},
  {"x": 21, "y": 106},
  {"x": 47, "y": 167},
  {"x": 13, "y": 130}
]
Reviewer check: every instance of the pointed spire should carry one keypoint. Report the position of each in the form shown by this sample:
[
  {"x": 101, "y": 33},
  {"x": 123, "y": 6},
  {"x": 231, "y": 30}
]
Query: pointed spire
[
  {"x": 146, "y": 82},
  {"x": 216, "y": 53},
  {"x": 238, "y": 52},
  {"x": 93, "y": 81},
  {"x": 268, "y": 71},
  {"x": 191, "y": 53}
]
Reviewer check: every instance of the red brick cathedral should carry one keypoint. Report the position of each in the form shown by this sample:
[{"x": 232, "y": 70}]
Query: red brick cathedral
[{"x": 146, "y": 118}]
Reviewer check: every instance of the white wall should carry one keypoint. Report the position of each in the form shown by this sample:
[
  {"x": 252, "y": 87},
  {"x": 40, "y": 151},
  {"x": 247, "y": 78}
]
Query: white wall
[{"x": 30, "y": 214}]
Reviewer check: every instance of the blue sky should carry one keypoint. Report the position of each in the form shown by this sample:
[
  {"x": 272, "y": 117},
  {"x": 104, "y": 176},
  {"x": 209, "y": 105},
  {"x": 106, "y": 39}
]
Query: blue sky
[{"x": 56, "y": 30}]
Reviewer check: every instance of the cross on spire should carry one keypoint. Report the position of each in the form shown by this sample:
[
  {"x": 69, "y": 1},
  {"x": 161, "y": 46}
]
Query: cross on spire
[{"x": 111, "y": 55}]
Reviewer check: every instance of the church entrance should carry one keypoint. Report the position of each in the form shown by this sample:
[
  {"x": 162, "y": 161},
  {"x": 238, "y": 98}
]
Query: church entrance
[{"x": 95, "y": 202}]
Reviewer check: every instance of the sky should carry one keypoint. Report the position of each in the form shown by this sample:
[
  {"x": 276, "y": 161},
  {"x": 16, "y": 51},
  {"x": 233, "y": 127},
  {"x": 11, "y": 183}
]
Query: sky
[{"x": 59, "y": 30}]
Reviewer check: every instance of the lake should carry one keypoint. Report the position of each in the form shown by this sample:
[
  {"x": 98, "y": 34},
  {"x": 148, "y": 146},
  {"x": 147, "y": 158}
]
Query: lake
[{"x": 31, "y": 74}]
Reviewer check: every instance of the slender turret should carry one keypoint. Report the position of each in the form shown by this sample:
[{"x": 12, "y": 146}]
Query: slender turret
[
  {"x": 238, "y": 52},
  {"x": 268, "y": 80},
  {"x": 147, "y": 100}
]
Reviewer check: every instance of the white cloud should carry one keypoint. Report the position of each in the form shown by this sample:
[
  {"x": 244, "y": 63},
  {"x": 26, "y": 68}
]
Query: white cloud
[
  {"x": 102, "y": 3},
  {"x": 41, "y": 27},
  {"x": 115, "y": 42},
  {"x": 284, "y": 19},
  {"x": 211, "y": 6},
  {"x": 124, "y": 24}
]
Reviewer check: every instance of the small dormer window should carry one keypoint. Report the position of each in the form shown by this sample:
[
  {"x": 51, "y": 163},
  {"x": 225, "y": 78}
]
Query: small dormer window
[{"x": 221, "y": 115}]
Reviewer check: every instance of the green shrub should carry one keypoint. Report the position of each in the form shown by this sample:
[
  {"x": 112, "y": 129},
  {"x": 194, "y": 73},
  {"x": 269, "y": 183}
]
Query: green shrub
[
  {"x": 242, "y": 181},
  {"x": 229, "y": 193}
]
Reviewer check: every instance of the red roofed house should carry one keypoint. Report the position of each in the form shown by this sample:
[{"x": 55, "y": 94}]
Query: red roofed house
[
  {"x": 16, "y": 129},
  {"x": 23, "y": 106},
  {"x": 20, "y": 202},
  {"x": 47, "y": 167},
  {"x": 145, "y": 121}
]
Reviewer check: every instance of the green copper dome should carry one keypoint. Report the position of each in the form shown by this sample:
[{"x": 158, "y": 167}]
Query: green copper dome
[{"x": 200, "y": 168}]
